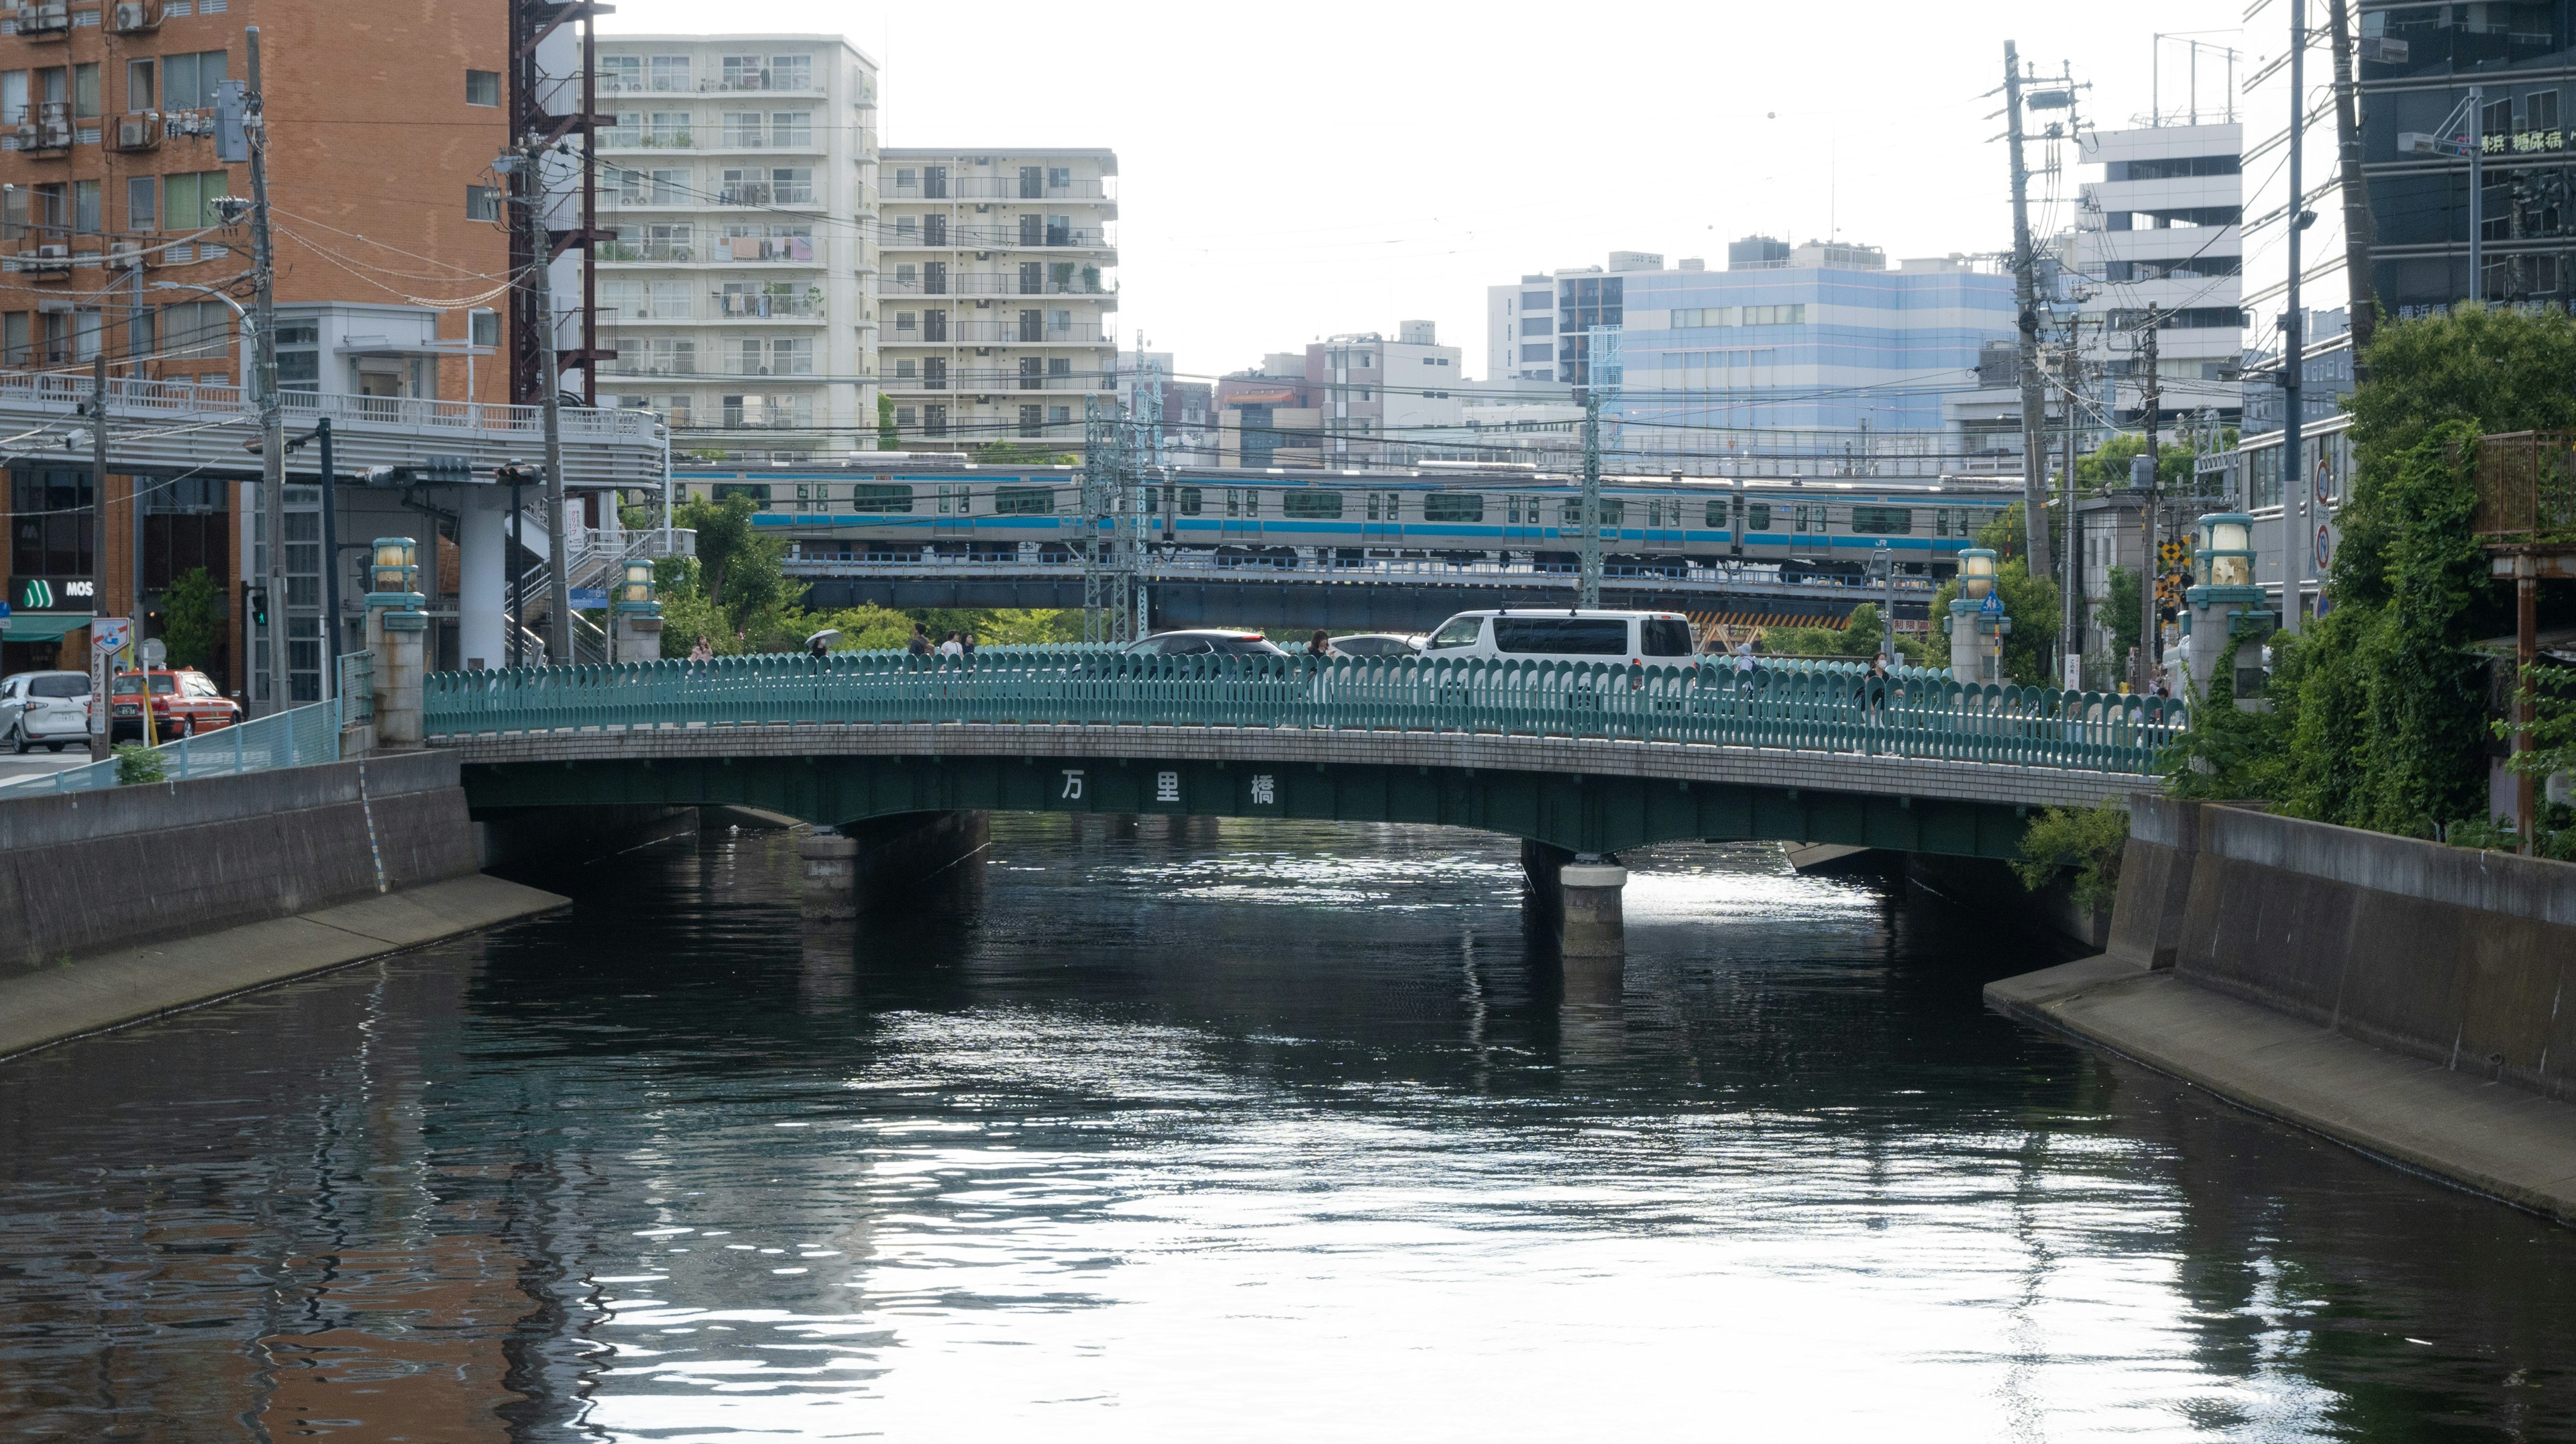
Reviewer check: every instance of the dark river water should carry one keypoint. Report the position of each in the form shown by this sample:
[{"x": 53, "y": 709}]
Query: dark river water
[{"x": 1241, "y": 1131}]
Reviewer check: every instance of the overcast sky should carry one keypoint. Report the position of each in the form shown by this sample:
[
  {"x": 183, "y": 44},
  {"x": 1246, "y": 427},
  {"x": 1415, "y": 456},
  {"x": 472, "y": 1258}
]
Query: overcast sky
[{"x": 1292, "y": 171}]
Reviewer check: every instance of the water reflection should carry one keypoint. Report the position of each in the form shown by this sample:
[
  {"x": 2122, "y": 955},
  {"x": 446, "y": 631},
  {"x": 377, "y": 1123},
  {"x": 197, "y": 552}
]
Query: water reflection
[{"x": 1215, "y": 1129}]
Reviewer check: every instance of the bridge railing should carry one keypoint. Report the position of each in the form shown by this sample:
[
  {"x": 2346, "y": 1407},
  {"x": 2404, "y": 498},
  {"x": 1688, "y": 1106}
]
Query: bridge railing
[
  {"x": 297, "y": 737},
  {"x": 1820, "y": 708}
]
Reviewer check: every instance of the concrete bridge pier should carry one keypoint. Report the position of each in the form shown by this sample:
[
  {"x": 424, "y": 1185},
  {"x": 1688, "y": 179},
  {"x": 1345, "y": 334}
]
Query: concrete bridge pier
[
  {"x": 1579, "y": 896},
  {"x": 867, "y": 865}
]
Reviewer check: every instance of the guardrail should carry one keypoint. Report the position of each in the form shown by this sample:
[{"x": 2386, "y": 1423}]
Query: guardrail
[
  {"x": 1819, "y": 708},
  {"x": 298, "y": 737}
]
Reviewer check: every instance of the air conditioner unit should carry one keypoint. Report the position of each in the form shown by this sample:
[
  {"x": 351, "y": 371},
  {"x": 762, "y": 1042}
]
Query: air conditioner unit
[
  {"x": 54, "y": 253},
  {"x": 28, "y": 135},
  {"x": 128, "y": 255},
  {"x": 131, "y": 15}
]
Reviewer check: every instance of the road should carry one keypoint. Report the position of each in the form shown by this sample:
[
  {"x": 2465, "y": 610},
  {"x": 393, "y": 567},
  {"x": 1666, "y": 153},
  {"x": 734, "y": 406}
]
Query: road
[{"x": 37, "y": 764}]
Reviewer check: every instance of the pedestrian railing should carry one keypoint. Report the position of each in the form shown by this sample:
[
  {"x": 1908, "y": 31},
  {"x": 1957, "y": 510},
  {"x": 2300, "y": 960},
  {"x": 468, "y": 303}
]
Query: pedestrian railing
[
  {"x": 1823, "y": 707},
  {"x": 297, "y": 737}
]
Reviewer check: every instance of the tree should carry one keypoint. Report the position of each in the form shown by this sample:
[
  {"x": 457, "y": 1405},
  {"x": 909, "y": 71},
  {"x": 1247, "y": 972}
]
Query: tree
[
  {"x": 2108, "y": 466},
  {"x": 1009, "y": 453},
  {"x": 191, "y": 622},
  {"x": 887, "y": 439},
  {"x": 2120, "y": 611},
  {"x": 1860, "y": 639}
]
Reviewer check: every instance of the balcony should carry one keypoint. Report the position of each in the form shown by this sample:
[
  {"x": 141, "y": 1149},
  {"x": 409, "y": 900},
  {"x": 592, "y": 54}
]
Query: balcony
[
  {"x": 802, "y": 306},
  {"x": 990, "y": 284},
  {"x": 985, "y": 380},
  {"x": 765, "y": 84},
  {"x": 992, "y": 188},
  {"x": 765, "y": 193},
  {"x": 44, "y": 19},
  {"x": 1011, "y": 333},
  {"x": 664, "y": 253},
  {"x": 670, "y": 138}
]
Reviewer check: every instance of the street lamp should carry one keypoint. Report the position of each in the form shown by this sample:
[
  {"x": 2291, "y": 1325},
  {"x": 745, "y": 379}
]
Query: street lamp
[
  {"x": 391, "y": 574},
  {"x": 1976, "y": 615},
  {"x": 635, "y": 594},
  {"x": 2224, "y": 604}
]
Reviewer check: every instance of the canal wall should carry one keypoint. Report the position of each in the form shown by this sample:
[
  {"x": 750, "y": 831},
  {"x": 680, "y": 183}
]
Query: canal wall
[
  {"x": 130, "y": 901},
  {"x": 2407, "y": 998},
  {"x": 868, "y": 865}
]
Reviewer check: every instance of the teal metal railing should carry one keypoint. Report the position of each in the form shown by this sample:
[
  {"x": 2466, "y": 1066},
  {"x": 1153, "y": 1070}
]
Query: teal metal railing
[
  {"x": 1815, "y": 708},
  {"x": 298, "y": 737}
]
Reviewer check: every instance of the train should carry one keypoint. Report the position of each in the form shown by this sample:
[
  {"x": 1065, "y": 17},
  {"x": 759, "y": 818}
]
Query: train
[{"x": 1806, "y": 527}]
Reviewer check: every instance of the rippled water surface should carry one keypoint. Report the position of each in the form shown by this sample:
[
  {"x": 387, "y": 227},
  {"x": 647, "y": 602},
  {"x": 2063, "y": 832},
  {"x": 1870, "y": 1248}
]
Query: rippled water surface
[{"x": 1241, "y": 1131}]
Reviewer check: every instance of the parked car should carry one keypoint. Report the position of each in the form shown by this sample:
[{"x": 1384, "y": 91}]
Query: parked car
[
  {"x": 44, "y": 709},
  {"x": 1222, "y": 641},
  {"x": 1564, "y": 635},
  {"x": 1378, "y": 644},
  {"x": 185, "y": 702}
]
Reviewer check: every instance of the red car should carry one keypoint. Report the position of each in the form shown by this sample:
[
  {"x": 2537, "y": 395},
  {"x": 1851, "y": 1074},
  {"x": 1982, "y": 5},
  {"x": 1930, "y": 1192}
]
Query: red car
[{"x": 185, "y": 702}]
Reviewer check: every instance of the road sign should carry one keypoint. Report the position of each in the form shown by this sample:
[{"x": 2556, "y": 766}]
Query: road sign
[
  {"x": 155, "y": 652},
  {"x": 1991, "y": 605},
  {"x": 110, "y": 635}
]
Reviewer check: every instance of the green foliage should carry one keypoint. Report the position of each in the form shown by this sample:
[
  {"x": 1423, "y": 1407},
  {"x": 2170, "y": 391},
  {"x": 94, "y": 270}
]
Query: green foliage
[
  {"x": 2088, "y": 840},
  {"x": 2549, "y": 690},
  {"x": 887, "y": 440},
  {"x": 2496, "y": 370},
  {"x": 1007, "y": 453},
  {"x": 192, "y": 623},
  {"x": 2120, "y": 609},
  {"x": 2108, "y": 467},
  {"x": 136, "y": 763},
  {"x": 2030, "y": 601},
  {"x": 2008, "y": 535},
  {"x": 1861, "y": 639}
]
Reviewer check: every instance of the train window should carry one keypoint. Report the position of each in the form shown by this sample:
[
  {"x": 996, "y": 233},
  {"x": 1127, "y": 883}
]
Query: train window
[
  {"x": 1453, "y": 506},
  {"x": 1612, "y": 509},
  {"x": 1023, "y": 500},
  {"x": 757, "y": 490},
  {"x": 1716, "y": 514},
  {"x": 881, "y": 498},
  {"x": 955, "y": 499},
  {"x": 1940, "y": 522},
  {"x": 1390, "y": 503},
  {"x": 1882, "y": 520},
  {"x": 1313, "y": 503},
  {"x": 1757, "y": 516},
  {"x": 1189, "y": 502}
]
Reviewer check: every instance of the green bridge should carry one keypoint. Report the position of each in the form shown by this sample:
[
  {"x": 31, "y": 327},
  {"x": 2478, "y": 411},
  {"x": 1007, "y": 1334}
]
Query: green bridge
[{"x": 1591, "y": 759}]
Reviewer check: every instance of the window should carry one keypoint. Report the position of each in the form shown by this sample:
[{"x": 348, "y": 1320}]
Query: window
[
  {"x": 1458, "y": 632},
  {"x": 1663, "y": 637},
  {"x": 670, "y": 73},
  {"x": 934, "y": 417},
  {"x": 1578, "y": 636},
  {"x": 791, "y": 72},
  {"x": 743, "y": 129},
  {"x": 1188, "y": 502},
  {"x": 1757, "y": 516},
  {"x": 188, "y": 81},
  {"x": 1537, "y": 351},
  {"x": 1453, "y": 506},
  {"x": 189, "y": 199},
  {"x": 202, "y": 327},
  {"x": 85, "y": 217},
  {"x": 13, "y": 97},
  {"x": 13, "y": 338},
  {"x": 1032, "y": 421},
  {"x": 142, "y": 90},
  {"x": 299, "y": 356},
  {"x": 1311, "y": 504},
  {"x": 1063, "y": 416},
  {"x": 1882, "y": 520},
  {"x": 85, "y": 87},
  {"x": 482, "y": 87},
  {"x": 482, "y": 203},
  {"x": 1538, "y": 325},
  {"x": 483, "y": 328},
  {"x": 791, "y": 128},
  {"x": 621, "y": 74},
  {"x": 1023, "y": 500}
]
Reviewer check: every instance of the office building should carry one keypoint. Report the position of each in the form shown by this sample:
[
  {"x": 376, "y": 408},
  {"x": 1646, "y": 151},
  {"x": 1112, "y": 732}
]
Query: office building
[
  {"x": 2160, "y": 231},
  {"x": 739, "y": 177},
  {"x": 1359, "y": 399},
  {"x": 996, "y": 301}
]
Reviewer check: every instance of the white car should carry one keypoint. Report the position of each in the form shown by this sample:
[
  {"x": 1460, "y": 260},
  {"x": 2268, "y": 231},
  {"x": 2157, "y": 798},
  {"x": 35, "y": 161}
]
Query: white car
[
  {"x": 1563, "y": 634},
  {"x": 1377, "y": 644},
  {"x": 44, "y": 709}
]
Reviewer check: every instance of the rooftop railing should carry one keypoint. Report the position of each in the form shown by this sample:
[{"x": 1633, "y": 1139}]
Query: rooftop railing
[
  {"x": 1806, "y": 707},
  {"x": 2527, "y": 487}
]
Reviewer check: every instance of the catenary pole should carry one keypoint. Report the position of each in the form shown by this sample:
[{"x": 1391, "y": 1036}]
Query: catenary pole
[
  {"x": 2294, "y": 508},
  {"x": 101, "y": 671},
  {"x": 550, "y": 375},
  {"x": 2151, "y": 401},
  {"x": 2034, "y": 461},
  {"x": 2359, "y": 232},
  {"x": 1588, "y": 593}
]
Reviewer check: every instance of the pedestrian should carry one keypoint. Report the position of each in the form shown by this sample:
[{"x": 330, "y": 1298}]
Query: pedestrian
[
  {"x": 1744, "y": 666},
  {"x": 1877, "y": 683},
  {"x": 700, "y": 655},
  {"x": 952, "y": 647},
  {"x": 970, "y": 644},
  {"x": 919, "y": 646},
  {"x": 1319, "y": 645}
]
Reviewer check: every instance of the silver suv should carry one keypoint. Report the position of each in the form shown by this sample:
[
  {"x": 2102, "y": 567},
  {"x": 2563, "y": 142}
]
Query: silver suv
[{"x": 44, "y": 709}]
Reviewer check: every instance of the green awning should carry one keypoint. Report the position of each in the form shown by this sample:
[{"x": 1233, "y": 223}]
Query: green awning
[{"x": 43, "y": 626}]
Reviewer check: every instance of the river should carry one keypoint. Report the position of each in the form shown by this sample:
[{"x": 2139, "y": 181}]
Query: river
[{"x": 1203, "y": 1130}]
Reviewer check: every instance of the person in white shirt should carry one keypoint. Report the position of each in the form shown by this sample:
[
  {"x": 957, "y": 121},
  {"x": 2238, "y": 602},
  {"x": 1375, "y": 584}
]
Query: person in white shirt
[{"x": 952, "y": 647}]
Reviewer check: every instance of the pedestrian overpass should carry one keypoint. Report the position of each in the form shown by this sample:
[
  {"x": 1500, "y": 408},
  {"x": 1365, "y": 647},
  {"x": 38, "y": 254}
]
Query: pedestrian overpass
[{"x": 1590, "y": 759}]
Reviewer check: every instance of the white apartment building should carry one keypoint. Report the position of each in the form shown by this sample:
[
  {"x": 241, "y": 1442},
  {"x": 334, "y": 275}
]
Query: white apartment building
[
  {"x": 995, "y": 301},
  {"x": 1520, "y": 330},
  {"x": 1375, "y": 393},
  {"x": 739, "y": 177},
  {"x": 2162, "y": 228}
]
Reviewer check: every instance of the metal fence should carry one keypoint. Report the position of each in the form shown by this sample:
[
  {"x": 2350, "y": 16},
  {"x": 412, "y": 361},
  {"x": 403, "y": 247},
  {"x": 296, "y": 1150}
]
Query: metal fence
[
  {"x": 298, "y": 737},
  {"x": 1820, "y": 707}
]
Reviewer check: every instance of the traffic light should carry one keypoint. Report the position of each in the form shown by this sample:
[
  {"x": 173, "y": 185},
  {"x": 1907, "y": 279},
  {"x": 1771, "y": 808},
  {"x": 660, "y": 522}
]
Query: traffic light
[{"x": 259, "y": 606}]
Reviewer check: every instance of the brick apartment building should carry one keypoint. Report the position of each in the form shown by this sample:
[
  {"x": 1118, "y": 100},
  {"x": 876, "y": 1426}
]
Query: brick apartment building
[{"x": 384, "y": 121}]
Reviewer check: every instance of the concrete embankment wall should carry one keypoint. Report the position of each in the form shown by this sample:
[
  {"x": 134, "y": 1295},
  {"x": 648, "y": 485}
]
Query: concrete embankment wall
[
  {"x": 2403, "y": 997},
  {"x": 2456, "y": 957},
  {"x": 88, "y": 871}
]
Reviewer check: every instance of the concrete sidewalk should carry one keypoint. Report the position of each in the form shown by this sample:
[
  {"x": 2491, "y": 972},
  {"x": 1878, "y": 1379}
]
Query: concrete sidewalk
[
  {"x": 86, "y": 995},
  {"x": 2488, "y": 1136}
]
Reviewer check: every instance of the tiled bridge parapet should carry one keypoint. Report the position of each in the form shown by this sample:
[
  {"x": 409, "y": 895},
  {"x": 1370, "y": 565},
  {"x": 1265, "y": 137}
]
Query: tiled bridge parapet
[{"x": 1585, "y": 794}]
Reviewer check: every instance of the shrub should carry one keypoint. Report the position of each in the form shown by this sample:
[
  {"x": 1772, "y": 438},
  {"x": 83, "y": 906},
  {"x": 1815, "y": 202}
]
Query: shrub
[
  {"x": 2089, "y": 840},
  {"x": 136, "y": 763}
]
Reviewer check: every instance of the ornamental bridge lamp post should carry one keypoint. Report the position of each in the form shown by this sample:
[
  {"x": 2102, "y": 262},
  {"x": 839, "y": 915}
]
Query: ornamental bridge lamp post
[
  {"x": 396, "y": 629},
  {"x": 2223, "y": 604},
  {"x": 1976, "y": 623},
  {"x": 639, "y": 616}
]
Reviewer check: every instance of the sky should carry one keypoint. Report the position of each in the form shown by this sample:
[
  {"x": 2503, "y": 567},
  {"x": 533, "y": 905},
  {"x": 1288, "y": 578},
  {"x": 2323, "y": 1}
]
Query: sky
[{"x": 1294, "y": 171}]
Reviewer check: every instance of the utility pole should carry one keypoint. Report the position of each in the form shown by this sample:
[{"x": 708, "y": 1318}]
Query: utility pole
[
  {"x": 2034, "y": 488},
  {"x": 2294, "y": 521},
  {"x": 102, "y": 672},
  {"x": 2358, "y": 231},
  {"x": 2477, "y": 193},
  {"x": 2071, "y": 629},
  {"x": 541, "y": 245},
  {"x": 272, "y": 419},
  {"x": 331, "y": 640},
  {"x": 2151, "y": 400},
  {"x": 1589, "y": 591}
]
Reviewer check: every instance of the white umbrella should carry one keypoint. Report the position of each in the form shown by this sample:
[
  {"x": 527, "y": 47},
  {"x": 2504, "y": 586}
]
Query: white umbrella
[{"x": 823, "y": 638}]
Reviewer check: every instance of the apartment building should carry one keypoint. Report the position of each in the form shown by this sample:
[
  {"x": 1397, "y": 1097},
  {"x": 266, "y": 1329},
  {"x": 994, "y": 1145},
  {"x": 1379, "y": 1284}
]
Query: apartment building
[
  {"x": 2161, "y": 230},
  {"x": 388, "y": 241},
  {"x": 995, "y": 300},
  {"x": 1520, "y": 330},
  {"x": 739, "y": 175}
]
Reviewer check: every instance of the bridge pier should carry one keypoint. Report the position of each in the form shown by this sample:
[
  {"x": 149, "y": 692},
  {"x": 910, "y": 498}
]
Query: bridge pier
[
  {"x": 865, "y": 865},
  {"x": 1580, "y": 898}
]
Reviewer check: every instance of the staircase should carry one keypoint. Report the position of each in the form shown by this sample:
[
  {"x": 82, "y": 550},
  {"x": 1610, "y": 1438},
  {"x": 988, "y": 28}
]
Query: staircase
[{"x": 595, "y": 560}]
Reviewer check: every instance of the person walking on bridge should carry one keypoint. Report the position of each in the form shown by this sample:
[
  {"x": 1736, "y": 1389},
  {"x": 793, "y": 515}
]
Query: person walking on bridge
[{"x": 919, "y": 646}]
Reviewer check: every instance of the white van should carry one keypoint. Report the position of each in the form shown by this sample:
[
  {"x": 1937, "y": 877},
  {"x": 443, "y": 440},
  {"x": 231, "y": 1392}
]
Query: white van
[{"x": 1563, "y": 634}]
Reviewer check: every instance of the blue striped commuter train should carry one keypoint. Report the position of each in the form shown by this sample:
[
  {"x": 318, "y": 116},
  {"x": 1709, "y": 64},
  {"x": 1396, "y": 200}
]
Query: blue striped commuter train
[{"x": 1287, "y": 519}]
